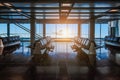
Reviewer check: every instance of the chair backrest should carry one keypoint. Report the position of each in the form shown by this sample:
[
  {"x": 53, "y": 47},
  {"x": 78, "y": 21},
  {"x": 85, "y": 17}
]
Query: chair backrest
[
  {"x": 87, "y": 44},
  {"x": 115, "y": 39},
  {"x": 42, "y": 43},
  {"x": 5, "y": 40},
  {"x": 79, "y": 40}
]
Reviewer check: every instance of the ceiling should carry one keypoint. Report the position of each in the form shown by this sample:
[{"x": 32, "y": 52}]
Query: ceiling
[{"x": 59, "y": 11}]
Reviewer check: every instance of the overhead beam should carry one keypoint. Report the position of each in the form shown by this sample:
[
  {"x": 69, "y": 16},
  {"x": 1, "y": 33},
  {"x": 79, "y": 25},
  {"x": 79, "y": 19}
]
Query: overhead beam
[
  {"x": 111, "y": 15},
  {"x": 64, "y": 13},
  {"x": 4, "y": 12},
  {"x": 56, "y": 21},
  {"x": 54, "y": 8},
  {"x": 55, "y": 1},
  {"x": 13, "y": 7}
]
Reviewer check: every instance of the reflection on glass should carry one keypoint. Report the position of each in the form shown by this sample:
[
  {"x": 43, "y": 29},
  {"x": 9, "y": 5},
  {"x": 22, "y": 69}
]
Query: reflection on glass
[
  {"x": 114, "y": 55},
  {"x": 84, "y": 30}
]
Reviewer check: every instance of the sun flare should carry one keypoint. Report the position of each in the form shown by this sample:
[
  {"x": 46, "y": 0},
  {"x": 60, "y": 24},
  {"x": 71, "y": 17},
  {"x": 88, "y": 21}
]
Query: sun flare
[{"x": 64, "y": 33}]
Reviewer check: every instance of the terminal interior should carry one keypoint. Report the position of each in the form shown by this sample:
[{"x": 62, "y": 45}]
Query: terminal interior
[{"x": 59, "y": 40}]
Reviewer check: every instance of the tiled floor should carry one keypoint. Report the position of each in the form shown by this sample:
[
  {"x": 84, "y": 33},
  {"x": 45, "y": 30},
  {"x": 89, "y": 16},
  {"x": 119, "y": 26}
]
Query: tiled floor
[{"x": 61, "y": 64}]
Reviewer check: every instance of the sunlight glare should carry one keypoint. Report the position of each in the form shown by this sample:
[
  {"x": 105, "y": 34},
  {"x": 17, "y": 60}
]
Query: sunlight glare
[{"x": 64, "y": 33}]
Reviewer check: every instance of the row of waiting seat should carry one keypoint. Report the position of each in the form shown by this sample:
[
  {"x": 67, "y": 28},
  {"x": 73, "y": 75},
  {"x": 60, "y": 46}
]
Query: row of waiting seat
[
  {"x": 40, "y": 48},
  {"x": 81, "y": 43},
  {"x": 10, "y": 41},
  {"x": 85, "y": 47},
  {"x": 9, "y": 44},
  {"x": 112, "y": 41},
  {"x": 44, "y": 43}
]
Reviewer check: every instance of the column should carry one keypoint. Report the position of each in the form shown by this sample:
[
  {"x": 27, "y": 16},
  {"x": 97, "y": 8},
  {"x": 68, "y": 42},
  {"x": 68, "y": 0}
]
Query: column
[
  {"x": 92, "y": 29},
  {"x": 44, "y": 30},
  {"x": 79, "y": 30},
  {"x": 32, "y": 26},
  {"x": 92, "y": 23},
  {"x": 8, "y": 29}
]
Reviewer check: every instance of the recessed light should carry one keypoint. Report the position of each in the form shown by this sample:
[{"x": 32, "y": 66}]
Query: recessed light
[
  {"x": 19, "y": 10},
  {"x": 113, "y": 10},
  {"x": 7, "y": 4},
  {"x": 12, "y": 10},
  {"x": 66, "y": 4},
  {"x": 65, "y": 10}
]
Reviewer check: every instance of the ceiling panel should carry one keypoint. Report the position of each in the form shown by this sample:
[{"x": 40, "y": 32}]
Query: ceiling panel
[{"x": 53, "y": 10}]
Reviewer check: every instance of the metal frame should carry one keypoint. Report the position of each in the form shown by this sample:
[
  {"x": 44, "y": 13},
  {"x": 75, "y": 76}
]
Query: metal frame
[{"x": 51, "y": 17}]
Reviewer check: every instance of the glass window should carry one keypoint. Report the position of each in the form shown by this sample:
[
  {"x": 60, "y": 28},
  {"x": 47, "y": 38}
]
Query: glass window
[
  {"x": 39, "y": 29},
  {"x": 73, "y": 30},
  {"x": 97, "y": 30},
  {"x": 84, "y": 30},
  {"x": 101, "y": 30},
  {"x": 51, "y": 30},
  {"x": 104, "y": 30},
  {"x": 61, "y": 30},
  {"x": 3, "y": 29},
  {"x": 15, "y": 30}
]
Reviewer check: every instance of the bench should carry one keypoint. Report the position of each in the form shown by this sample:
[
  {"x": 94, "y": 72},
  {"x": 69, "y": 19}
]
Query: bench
[
  {"x": 9, "y": 44},
  {"x": 42, "y": 45},
  {"x": 9, "y": 41},
  {"x": 86, "y": 47},
  {"x": 112, "y": 41}
]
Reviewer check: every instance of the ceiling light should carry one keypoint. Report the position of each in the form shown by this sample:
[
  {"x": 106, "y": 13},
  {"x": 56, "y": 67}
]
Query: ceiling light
[
  {"x": 12, "y": 10},
  {"x": 113, "y": 10},
  {"x": 66, "y": 4},
  {"x": 1, "y": 4},
  {"x": 64, "y": 10},
  {"x": 19, "y": 10},
  {"x": 7, "y": 4},
  {"x": 63, "y": 14}
]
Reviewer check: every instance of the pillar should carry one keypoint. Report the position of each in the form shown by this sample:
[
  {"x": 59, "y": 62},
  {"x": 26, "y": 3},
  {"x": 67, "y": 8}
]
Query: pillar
[
  {"x": 79, "y": 30},
  {"x": 44, "y": 30},
  {"x": 92, "y": 29},
  {"x": 32, "y": 27},
  {"x": 8, "y": 29},
  {"x": 92, "y": 23}
]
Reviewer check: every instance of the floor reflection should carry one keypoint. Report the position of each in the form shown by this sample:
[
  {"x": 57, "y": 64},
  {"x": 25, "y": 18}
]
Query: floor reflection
[
  {"x": 41, "y": 59},
  {"x": 114, "y": 55},
  {"x": 61, "y": 64},
  {"x": 102, "y": 54}
]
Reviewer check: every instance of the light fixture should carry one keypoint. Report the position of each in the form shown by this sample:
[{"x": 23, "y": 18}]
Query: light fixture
[
  {"x": 113, "y": 10},
  {"x": 63, "y": 14},
  {"x": 19, "y": 10},
  {"x": 64, "y": 10},
  {"x": 1, "y": 4},
  {"x": 7, "y": 4},
  {"x": 66, "y": 4},
  {"x": 12, "y": 10}
]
